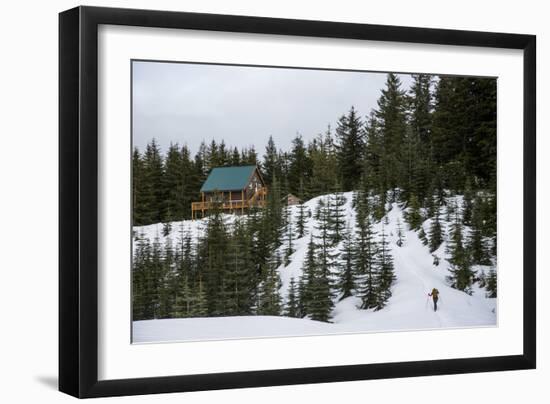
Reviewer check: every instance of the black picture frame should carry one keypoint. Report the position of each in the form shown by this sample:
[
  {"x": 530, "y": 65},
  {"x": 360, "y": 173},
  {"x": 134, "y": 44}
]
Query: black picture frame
[{"x": 78, "y": 201}]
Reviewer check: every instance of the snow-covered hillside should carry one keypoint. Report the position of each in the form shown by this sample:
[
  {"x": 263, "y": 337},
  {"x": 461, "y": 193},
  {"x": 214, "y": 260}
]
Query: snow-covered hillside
[{"x": 409, "y": 308}]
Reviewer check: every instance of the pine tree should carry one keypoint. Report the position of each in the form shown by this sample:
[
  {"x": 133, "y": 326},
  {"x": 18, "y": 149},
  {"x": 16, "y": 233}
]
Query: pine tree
[
  {"x": 492, "y": 283},
  {"x": 461, "y": 275},
  {"x": 301, "y": 221},
  {"x": 384, "y": 263},
  {"x": 153, "y": 172},
  {"x": 309, "y": 266},
  {"x": 214, "y": 256},
  {"x": 413, "y": 215},
  {"x": 240, "y": 276},
  {"x": 337, "y": 217},
  {"x": 324, "y": 165},
  {"x": 141, "y": 283},
  {"x": 200, "y": 306},
  {"x": 299, "y": 166},
  {"x": 422, "y": 236},
  {"x": 364, "y": 251},
  {"x": 292, "y": 303},
  {"x": 435, "y": 232},
  {"x": 288, "y": 236},
  {"x": 141, "y": 194},
  {"x": 391, "y": 122},
  {"x": 346, "y": 282},
  {"x": 400, "y": 236},
  {"x": 419, "y": 155},
  {"x": 477, "y": 243},
  {"x": 271, "y": 165},
  {"x": 350, "y": 149},
  {"x": 269, "y": 303}
]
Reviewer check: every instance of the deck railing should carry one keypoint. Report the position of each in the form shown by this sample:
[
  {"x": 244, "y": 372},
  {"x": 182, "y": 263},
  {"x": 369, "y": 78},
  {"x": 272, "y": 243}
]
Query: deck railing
[{"x": 258, "y": 199}]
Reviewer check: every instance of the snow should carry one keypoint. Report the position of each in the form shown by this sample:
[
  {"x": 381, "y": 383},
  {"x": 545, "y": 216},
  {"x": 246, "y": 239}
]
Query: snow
[{"x": 409, "y": 308}]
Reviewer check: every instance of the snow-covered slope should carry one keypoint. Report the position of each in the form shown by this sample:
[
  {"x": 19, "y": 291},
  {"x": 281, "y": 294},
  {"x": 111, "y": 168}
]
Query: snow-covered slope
[{"x": 409, "y": 308}]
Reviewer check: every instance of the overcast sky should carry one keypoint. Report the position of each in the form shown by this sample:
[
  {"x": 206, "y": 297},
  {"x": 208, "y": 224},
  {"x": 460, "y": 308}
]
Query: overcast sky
[{"x": 187, "y": 103}]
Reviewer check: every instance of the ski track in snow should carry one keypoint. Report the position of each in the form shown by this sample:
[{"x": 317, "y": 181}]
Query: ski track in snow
[{"x": 409, "y": 308}]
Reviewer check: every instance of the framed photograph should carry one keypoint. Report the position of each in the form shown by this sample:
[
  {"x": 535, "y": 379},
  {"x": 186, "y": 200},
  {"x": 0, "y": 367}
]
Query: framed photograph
[{"x": 250, "y": 201}]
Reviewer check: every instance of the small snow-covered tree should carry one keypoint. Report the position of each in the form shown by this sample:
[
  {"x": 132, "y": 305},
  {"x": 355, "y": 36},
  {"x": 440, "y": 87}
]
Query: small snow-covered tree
[{"x": 400, "y": 235}]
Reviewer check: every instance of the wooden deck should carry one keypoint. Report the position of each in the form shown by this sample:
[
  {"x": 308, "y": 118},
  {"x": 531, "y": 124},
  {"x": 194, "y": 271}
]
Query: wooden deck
[{"x": 257, "y": 200}]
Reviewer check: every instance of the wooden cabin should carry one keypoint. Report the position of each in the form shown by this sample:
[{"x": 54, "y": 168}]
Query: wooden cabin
[{"x": 232, "y": 189}]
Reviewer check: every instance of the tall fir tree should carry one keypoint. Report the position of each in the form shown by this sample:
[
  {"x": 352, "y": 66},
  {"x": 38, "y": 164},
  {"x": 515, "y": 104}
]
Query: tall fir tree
[
  {"x": 364, "y": 252},
  {"x": 288, "y": 236},
  {"x": 436, "y": 232},
  {"x": 391, "y": 121},
  {"x": 350, "y": 149},
  {"x": 461, "y": 274},
  {"x": 385, "y": 271},
  {"x": 337, "y": 217},
  {"x": 302, "y": 220},
  {"x": 346, "y": 281}
]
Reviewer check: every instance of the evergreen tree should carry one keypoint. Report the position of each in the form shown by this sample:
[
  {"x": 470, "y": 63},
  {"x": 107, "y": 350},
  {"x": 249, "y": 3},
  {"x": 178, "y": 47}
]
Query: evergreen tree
[
  {"x": 346, "y": 282},
  {"x": 461, "y": 275},
  {"x": 301, "y": 221},
  {"x": 422, "y": 236},
  {"x": 391, "y": 121},
  {"x": 336, "y": 217},
  {"x": 326, "y": 262},
  {"x": 141, "y": 194},
  {"x": 299, "y": 165},
  {"x": 400, "y": 236},
  {"x": 288, "y": 236},
  {"x": 271, "y": 165},
  {"x": 492, "y": 283},
  {"x": 419, "y": 149},
  {"x": 142, "y": 293},
  {"x": 384, "y": 262},
  {"x": 269, "y": 303},
  {"x": 292, "y": 304},
  {"x": 214, "y": 256},
  {"x": 309, "y": 267},
  {"x": 350, "y": 149},
  {"x": 364, "y": 251},
  {"x": 413, "y": 215},
  {"x": 200, "y": 306},
  {"x": 240, "y": 276},
  {"x": 477, "y": 243},
  {"x": 435, "y": 233},
  {"x": 324, "y": 165},
  {"x": 153, "y": 178},
  {"x": 174, "y": 202}
]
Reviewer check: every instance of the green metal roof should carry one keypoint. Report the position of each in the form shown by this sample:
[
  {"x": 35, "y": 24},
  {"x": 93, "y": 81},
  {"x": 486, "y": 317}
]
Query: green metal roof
[{"x": 228, "y": 178}]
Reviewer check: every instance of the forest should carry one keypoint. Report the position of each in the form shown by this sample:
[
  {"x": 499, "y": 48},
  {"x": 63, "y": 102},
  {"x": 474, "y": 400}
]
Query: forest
[{"x": 418, "y": 148}]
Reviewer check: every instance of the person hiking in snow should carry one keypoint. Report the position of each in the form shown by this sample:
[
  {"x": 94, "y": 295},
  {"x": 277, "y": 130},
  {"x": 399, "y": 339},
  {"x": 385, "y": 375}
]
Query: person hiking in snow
[{"x": 435, "y": 297}]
